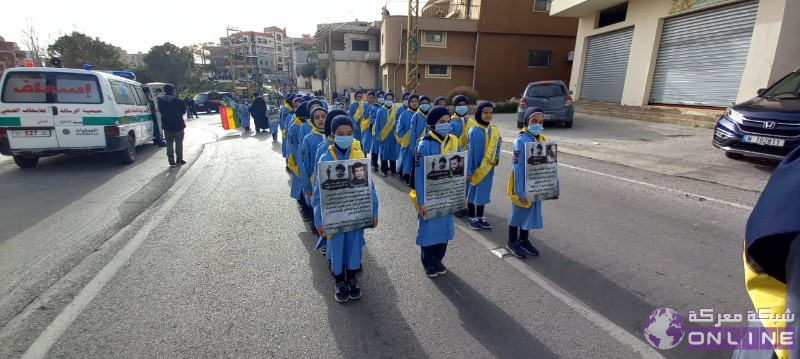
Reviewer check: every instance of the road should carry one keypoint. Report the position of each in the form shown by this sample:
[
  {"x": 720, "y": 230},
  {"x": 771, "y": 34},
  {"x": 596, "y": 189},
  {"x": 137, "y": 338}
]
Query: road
[{"x": 212, "y": 259}]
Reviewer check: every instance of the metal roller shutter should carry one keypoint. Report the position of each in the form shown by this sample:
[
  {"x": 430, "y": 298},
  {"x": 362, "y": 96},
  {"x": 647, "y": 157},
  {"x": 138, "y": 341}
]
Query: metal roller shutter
[
  {"x": 702, "y": 56},
  {"x": 606, "y": 65}
]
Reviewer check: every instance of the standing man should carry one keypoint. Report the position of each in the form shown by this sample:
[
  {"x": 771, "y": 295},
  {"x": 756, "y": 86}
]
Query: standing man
[
  {"x": 259, "y": 112},
  {"x": 189, "y": 105},
  {"x": 172, "y": 110},
  {"x": 158, "y": 138}
]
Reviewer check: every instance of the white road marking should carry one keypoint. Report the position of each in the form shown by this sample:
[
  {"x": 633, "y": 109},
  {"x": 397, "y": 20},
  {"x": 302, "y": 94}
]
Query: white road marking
[
  {"x": 675, "y": 191},
  {"x": 50, "y": 335},
  {"x": 603, "y": 323}
]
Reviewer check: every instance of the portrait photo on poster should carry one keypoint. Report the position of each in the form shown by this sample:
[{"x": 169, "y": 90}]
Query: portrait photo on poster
[
  {"x": 445, "y": 184},
  {"x": 345, "y": 194},
  {"x": 359, "y": 175}
]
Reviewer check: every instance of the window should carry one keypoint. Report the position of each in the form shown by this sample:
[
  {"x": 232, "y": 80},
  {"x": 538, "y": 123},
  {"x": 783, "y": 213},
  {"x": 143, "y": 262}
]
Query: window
[
  {"x": 360, "y": 45},
  {"x": 434, "y": 38},
  {"x": 542, "y": 5},
  {"x": 122, "y": 93},
  {"x": 612, "y": 15},
  {"x": 40, "y": 87},
  {"x": 539, "y": 58},
  {"x": 138, "y": 94},
  {"x": 437, "y": 71}
]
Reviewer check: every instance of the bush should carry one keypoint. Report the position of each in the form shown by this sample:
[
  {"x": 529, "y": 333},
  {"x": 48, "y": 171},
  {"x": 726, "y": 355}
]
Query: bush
[
  {"x": 505, "y": 107},
  {"x": 472, "y": 96}
]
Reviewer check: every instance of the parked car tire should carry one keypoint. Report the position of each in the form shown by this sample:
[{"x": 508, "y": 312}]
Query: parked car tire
[
  {"x": 568, "y": 124},
  {"x": 734, "y": 156},
  {"x": 26, "y": 161},
  {"x": 128, "y": 155}
]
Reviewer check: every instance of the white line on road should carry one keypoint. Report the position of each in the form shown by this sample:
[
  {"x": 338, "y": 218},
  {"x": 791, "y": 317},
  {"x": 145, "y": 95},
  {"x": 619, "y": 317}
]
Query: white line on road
[
  {"x": 50, "y": 335},
  {"x": 606, "y": 325},
  {"x": 679, "y": 192}
]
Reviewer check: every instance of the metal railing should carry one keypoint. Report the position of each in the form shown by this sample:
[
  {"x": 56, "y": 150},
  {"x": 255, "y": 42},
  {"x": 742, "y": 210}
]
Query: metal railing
[{"x": 450, "y": 10}]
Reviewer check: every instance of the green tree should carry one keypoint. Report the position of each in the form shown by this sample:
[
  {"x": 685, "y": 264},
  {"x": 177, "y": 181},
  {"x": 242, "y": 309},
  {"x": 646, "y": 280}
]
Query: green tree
[
  {"x": 77, "y": 49},
  {"x": 307, "y": 70},
  {"x": 169, "y": 63}
]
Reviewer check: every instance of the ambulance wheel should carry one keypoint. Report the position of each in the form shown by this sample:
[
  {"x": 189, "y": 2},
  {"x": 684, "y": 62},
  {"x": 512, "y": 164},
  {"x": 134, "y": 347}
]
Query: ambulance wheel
[
  {"x": 25, "y": 161},
  {"x": 568, "y": 124},
  {"x": 128, "y": 155}
]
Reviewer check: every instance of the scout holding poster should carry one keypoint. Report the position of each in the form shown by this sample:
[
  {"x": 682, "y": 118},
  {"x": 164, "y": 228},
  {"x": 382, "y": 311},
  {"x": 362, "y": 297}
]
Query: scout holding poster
[
  {"x": 541, "y": 165},
  {"x": 345, "y": 195},
  {"x": 445, "y": 183}
]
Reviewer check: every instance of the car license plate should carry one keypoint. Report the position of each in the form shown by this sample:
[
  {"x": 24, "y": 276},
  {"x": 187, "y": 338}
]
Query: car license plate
[
  {"x": 764, "y": 141},
  {"x": 31, "y": 133},
  {"x": 548, "y": 116}
]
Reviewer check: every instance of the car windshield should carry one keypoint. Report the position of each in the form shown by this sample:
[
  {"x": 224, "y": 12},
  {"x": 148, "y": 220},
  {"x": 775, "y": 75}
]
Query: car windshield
[
  {"x": 201, "y": 97},
  {"x": 788, "y": 88},
  {"x": 545, "y": 91}
]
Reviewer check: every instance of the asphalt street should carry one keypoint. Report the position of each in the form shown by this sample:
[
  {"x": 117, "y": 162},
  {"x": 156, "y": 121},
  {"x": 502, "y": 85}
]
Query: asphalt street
[{"x": 212, "y": 259}]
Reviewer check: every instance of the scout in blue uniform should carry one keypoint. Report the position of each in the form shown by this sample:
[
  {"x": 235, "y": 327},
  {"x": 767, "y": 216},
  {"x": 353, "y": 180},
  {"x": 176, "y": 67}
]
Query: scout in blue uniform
[
  {"x": 440, "y": 101},
  {"x": 286, "y": 122},
  {"x": 374, "y": 149},
  {"x": 433, "y": 234},
  {"x": 400, "y": 110},
  {"x": 385, "y": 133},
  {"x": 366, "y": 124},
  {"x": 321, "y": 149},
  {"x": 308, "y": 154},
  {"x": 344, "y": 249},
  {"x": 404, "y": 134},
  {"x": 524, "y": 215},
  {"x": 358, "y": 111},
  {"x": 461, "y": 126},
  {"x": 293, "y": 136},
  {"x": 419, "y": 121},
  {"x": 307, "y": 125},
  {"x": 483, "y": 154},
  {"x": 771, "y": 257}
]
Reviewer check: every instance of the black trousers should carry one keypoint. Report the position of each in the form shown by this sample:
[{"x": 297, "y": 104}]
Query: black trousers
[
  {"x": 431, "y": 255},
  {"x": 389, "y": 165},
  {"x": 374, "y": 159},
  {"x": 517, "y": 234}
]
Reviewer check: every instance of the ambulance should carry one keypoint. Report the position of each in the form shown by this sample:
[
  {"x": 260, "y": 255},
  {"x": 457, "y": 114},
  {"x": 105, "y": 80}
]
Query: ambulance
[{"x": 48, "y": 111}]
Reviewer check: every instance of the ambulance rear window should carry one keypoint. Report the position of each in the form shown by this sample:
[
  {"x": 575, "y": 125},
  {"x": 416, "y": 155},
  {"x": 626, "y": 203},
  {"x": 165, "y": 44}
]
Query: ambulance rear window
[{"x": 51, "y": 87}]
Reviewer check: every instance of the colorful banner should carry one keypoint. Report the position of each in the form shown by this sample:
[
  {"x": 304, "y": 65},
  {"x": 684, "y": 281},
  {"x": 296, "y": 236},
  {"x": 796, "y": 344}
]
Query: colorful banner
[
  {"x": 541, "y": 170},
  {"x": 345, "y": 189},
  {"x": 445, "y": 184},
  {"x": 223, "y": 114}
]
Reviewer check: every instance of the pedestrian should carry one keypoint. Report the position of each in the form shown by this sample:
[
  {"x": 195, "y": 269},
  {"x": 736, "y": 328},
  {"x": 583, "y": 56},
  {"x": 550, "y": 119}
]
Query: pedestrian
[
  {"x": 419, "y": 121},
  {"x": 258, "y": 110},
  {"x": 172, "y": 110},
  {"x": 192, "y": 108},
  {"x": 321, "y": 149},
  {"x": 372, "y": 147},
  {"x": 308, "y": 154},
  {"x": 525, "y": 215},
  {"x": 366, "y": 124},
  {"x": 307, "y": 125},
  {"x": 461, "y": 126},
  {"x": 440, "y": 101},
  {"x": 344, "y": 249},
  {"x": 385, "y": 133},
  {"x": 186, "y": 101},
  {"x": 287, "y": 121},
  {"x": 293, "y": 138},
  {"x": 406, "y": 160},
  {"x": 433, "y": 234},
  {"x": 358, "y": 113},
  {"x": 483, "y": 154},
  {"x": 158, "y": 137},
  {"x": 244, "y": 116}
]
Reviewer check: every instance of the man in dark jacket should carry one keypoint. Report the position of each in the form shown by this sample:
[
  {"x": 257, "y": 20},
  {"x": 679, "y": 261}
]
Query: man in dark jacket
[
  {"x": 259, "y": 112},
  {"x": 172, "y": 110}
]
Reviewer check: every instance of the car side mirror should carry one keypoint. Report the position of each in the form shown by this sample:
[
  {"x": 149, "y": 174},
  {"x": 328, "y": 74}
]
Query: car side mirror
[{"x": 761, "y": 91}]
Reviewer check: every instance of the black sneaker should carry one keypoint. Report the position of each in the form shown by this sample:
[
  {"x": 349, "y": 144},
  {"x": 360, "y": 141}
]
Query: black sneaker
[
  {"x": 528, "y": 247},
  {"x": 353, "y": 289},
  {"x": 342, "y": 294},
  {"x": 181, "y": 163},
  {"x": 322, "y": 250},
  {"x": 430, "y": 272},
  {"x": 171, "y": 162},
  {"x": 385, "y": 174},
  {"x": 516, "y": 249},
  {"x": 483, "y": 223},
  {"x": 307, "y": 217},
  {"x": 474, "y": 223},
  {"x": 374, "y": 169},
  {"x": 440, "y": 268}
]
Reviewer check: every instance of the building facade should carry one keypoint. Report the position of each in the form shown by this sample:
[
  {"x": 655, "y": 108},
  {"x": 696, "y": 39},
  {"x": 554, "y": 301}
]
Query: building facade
[
  {"x": 709, "y": 53},
  {"x": 350, "y": 53},
  {"x": 10, "y": 55},
  {"x": 493, "y": 48}
]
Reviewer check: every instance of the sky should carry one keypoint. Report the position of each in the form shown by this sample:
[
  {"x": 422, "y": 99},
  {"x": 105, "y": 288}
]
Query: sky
[{"x": 177, "y": 21}]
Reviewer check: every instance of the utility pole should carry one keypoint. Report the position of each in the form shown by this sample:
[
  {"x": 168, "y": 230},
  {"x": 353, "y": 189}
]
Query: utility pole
[{"x": 412, "y": 47}]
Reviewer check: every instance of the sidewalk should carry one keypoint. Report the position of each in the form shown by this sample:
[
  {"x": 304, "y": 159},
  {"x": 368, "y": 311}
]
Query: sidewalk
[{"x": 669, "y": 149}]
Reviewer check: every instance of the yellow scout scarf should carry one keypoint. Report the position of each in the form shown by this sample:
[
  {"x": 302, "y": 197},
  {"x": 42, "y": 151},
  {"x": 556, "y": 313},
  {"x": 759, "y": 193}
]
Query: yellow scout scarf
[
  {"x": 390, "y": 121},
  {"x": 292, "y": 160},
  {"x": 315, "y": 131},
  {"x": 359, "y": 116},
  {"x": 766, "y": 292},
  {"x": 489, "y": 153},
  {"x": 510, "y": 187},
  {"x": 466, "y": 124},
  {"x": 448, "y": 145}
]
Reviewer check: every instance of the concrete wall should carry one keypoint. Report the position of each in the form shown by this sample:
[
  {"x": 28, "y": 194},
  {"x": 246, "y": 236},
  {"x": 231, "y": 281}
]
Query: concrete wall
[
  {"x": 354, "y": 74},
  {"x": 518, "y": 17},
  {"x": 774, "y": 50}
]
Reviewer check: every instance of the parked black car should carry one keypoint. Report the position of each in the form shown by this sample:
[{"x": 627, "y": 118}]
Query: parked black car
[
  {"x": 767, "y": 126},
  {"x": 209, "y": 101}
]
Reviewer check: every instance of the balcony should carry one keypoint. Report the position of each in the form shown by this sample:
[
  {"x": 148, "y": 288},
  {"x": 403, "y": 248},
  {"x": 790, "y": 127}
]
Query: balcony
[
  {"x": 363, "y": 56},
  {"x": 449, "y": 10}
]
